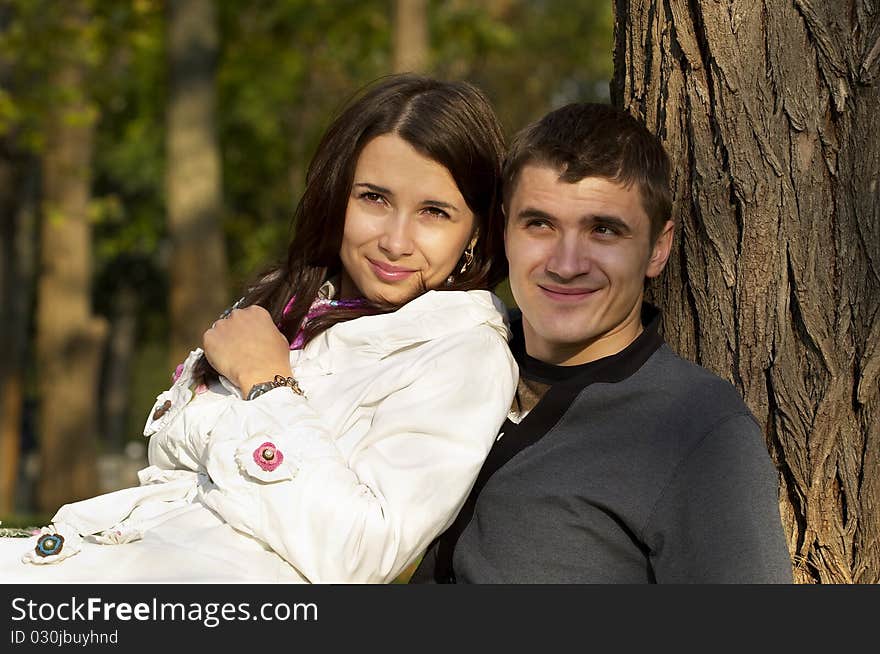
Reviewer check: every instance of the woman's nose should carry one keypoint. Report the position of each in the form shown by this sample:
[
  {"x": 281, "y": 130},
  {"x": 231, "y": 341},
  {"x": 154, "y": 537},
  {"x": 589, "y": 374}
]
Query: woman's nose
[{"x": 396, "y": 240}]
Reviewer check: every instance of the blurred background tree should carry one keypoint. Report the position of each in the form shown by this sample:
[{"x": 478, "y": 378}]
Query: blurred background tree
[{"x": 278, "y": 71}]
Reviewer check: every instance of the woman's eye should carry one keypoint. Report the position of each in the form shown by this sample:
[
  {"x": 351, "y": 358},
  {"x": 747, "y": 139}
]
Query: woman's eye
[
  {"x": 371, "y": 196},
  {"x": 436, "y": 212}
]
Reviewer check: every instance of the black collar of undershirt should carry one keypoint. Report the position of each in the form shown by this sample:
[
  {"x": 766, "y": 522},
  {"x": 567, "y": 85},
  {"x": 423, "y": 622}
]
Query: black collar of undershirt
[
  {"x": 613, "y": 368},
  {"x": 559, "y": 397}
]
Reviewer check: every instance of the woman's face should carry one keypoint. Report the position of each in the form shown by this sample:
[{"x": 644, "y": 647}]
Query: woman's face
[{"x": 406, "y": 224}]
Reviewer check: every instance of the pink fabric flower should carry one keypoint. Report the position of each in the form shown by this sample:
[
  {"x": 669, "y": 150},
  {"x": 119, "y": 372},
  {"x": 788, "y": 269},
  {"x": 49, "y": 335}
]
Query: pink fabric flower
[
  {"x": 178, "y": 371},
  {"x": 268, "y": 457},
  {"x": 201, "y": 388}
]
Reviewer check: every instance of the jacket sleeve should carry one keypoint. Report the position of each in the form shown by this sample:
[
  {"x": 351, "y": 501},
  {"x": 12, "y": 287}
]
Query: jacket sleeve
[
  {"x": 718, "y": 519},
  {"x": 276, "y": 472},
  {"x": 171, "y": 449}
]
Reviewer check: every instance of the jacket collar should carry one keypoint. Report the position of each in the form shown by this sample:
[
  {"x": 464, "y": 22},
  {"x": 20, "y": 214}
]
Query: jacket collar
[{"x": 432, "y": 315}]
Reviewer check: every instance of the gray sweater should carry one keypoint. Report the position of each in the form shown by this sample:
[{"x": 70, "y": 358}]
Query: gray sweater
[{"x": 638, "y": 468}]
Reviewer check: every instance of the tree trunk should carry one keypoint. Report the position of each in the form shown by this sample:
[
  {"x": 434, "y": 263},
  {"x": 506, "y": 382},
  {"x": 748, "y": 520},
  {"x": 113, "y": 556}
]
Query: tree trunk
[
  {"x": 117, "y": 367},
  {"x": 410, "y": 36},
  {"x": 17, "y": 255},
  {"x": 769, "y": 112},
  {"x": 16, "y": 286},
  {"x": 198, "y": 272},
  {"x": 69, "y": 338}
]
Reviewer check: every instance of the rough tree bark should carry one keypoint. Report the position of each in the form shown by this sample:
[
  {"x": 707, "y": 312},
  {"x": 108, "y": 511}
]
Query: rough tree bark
[
  {"x": 410, "y": 36},
  {"x": 69, "y": 337},
  {"x": 198, "y": 268},
  {"x": 769, "y": 112}
]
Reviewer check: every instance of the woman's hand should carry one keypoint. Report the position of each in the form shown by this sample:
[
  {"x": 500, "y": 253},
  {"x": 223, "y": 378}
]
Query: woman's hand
[{"x": 247, "y": 348}]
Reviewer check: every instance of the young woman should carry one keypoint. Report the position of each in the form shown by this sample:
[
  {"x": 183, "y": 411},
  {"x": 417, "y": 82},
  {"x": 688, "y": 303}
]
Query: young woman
[{"x": 339, "y": 413}]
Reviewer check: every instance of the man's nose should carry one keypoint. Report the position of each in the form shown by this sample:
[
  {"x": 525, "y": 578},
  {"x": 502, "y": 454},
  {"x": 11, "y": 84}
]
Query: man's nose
[
  {"x": 568, "y": 259},
  {"x": 396, "y": 240}
]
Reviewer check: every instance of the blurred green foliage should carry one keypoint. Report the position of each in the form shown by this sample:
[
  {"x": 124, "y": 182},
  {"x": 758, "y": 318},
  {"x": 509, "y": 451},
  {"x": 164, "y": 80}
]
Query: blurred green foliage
[{"x": 285, "y": 66}]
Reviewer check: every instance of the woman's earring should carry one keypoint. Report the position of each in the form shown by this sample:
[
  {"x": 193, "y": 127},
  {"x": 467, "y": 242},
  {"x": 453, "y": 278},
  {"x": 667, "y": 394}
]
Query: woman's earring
[{"x": 468, "y": 258}]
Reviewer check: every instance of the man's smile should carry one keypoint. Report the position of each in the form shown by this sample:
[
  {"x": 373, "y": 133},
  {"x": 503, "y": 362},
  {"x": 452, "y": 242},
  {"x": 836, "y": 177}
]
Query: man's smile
[{"x": 565, "y": 293}]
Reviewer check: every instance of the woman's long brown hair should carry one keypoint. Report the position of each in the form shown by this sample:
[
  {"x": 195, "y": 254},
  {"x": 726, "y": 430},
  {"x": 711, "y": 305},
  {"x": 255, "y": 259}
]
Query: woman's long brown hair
[{"x": 451, "y": 123}]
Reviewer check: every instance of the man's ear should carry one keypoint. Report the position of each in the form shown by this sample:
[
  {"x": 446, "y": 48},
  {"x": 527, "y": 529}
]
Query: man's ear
[{"x": 660, "y": 252}]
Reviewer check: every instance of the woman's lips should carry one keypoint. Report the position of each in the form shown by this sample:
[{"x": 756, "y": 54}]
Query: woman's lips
[
  {"x": 566, "y": 294},
  {"x": 388, "y": 273}
]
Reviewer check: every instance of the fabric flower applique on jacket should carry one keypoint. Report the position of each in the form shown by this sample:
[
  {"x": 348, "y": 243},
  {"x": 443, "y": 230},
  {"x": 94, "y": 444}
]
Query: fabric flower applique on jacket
[
  {"x": 170, "y": 402},
  {"x": 263, "y": 459},
  {"x": 268, "y": 457},
  {"x": 55, "y": 543},
  {"x": 118, "y": 535}
]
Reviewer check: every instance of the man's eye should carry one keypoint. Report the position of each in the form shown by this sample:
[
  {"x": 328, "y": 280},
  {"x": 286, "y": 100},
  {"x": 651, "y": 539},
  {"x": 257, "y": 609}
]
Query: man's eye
[
  {"x": 605, "y": 230},
  {"x": 537, "y": 223}
]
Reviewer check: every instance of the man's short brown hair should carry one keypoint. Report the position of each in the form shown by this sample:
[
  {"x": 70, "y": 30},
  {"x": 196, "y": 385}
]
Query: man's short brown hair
[{"x": 595, "y": 140}]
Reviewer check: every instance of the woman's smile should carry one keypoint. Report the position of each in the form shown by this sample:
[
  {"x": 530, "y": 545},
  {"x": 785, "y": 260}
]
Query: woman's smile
[{"x": 387, "y": 272}]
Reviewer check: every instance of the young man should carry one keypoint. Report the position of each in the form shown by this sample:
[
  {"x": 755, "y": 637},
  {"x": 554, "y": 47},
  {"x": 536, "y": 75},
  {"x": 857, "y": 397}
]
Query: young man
[{"x": 620, "y": 462}]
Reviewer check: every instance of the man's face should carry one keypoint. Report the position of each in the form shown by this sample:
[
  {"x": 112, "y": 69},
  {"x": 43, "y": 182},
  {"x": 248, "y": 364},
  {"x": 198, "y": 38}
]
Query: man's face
[{"x": 579, "y": 254}]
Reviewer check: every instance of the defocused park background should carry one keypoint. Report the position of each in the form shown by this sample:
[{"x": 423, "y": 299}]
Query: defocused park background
[
  {"x": 151, "y": 155},
  {"x": 152, "y": 151}
]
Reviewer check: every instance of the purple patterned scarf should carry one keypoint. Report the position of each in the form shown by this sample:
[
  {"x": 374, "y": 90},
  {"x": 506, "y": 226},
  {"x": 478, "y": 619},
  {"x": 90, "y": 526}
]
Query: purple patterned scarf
[{"x": 319, "y": 307}]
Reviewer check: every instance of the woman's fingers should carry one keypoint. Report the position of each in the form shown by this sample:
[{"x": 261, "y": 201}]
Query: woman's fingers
[{"x": 246, "y": 343}]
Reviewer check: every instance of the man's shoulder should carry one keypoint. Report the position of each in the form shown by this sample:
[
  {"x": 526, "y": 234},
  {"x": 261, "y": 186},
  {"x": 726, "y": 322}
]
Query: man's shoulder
[
  {"x": 684, "y": 369},
  {"x": 686, "y": 386}
]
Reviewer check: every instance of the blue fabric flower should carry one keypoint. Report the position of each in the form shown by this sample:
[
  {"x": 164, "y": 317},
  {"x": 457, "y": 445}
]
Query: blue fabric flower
[
  {"x": 49, "y": 544},
  {"x": 55, "y": 543}
]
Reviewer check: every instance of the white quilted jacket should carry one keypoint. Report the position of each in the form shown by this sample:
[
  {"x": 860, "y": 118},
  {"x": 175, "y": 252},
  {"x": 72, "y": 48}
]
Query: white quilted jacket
[{"x": 346, "y": 484}]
